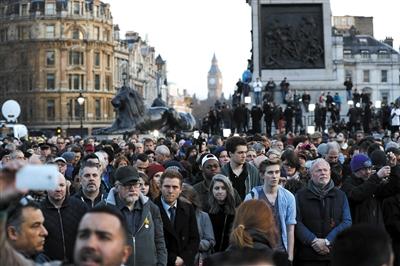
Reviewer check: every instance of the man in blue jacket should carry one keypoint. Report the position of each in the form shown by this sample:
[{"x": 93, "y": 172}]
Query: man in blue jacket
[{"x": 322, "y": 212}]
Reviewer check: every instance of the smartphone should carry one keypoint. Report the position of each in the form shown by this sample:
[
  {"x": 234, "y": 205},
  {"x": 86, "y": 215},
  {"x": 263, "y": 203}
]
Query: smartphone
[{"x": 37, "y": 177}]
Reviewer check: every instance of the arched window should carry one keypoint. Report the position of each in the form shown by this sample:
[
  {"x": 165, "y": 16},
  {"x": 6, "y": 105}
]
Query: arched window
[{"x": 77, "y": 34}]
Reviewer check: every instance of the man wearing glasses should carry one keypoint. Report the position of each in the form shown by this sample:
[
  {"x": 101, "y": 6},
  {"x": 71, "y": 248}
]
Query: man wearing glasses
[
  {"x": 145, "y": 228},
  {"x": 366, "y": 190}
]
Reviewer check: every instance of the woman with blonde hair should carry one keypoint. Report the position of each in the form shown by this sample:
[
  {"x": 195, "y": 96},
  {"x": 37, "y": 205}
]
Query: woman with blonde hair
[
  {"x": 254, "y": 226},
  {"x": 253, "y": 238},
  {"x": 222, "y": 210}
]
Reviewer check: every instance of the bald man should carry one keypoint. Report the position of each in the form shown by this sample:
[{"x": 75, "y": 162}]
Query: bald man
[{"x": 62, "y": 214}]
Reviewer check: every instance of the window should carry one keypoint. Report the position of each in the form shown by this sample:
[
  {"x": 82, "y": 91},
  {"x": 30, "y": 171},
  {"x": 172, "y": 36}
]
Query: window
[
  {"x": 78, "y": 108},
  {"x": 50, "y": 31},
  {"x": 76, "y": 34},
  {"x": 70, "y": 103},
  {"x": 108, "y": 60},
  {"x": 98, "y": 109},
  {"x": 50, "y": 58},
  {"x": 106, "y": 35},
  {"x": 365, "y": 54},
  {"x": 23, "y": 32},
  {"x": 76, "y": 58},
  {"x": 31, "y": 81},
  {"x": 97, "y": 59},
  {"x": 23, "y": 59},
  {"x": 108, "y": 83},
  {"x": 363, "y": 41},
  {"x": 384, "y": 96},
  {"x": 97, "y": 82},
  {"x": 3, "y": 34},
  {"x": 50, "y": 9},
  {"x": 51, "y": 83},
  {"x": 77, "y": 8},
  {"x": 384, "y": 76},
  {"x": 383, "y": 54},
  {"x": 348, "y": 74},
  {"x": 76, "y": 81},
  {"x": 24, "y": 10},
  {"x": 96, "y": 33},
  {"x": 347, "y": 54},
  {"x": 365, "y": 75},
  {"x": 51, "y": 110}
]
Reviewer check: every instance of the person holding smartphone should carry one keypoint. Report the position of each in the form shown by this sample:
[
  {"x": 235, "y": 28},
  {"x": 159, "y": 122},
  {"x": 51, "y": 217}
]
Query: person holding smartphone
[{"x": 366, "y": 190}]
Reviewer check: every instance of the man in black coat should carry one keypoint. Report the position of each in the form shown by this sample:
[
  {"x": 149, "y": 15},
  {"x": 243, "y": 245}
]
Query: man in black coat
[
  {"x": 62, "y": 214},
  {"x": 366, "y": 191},
  {"x": 256, "y": 115},
  {"x": 179, "y": 220}
]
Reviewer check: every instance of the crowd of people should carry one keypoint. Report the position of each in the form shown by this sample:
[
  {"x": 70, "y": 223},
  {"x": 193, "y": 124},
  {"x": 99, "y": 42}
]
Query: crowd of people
[
  {"x": 254, "y": 102},
  {"x": 320, "y": 199}
]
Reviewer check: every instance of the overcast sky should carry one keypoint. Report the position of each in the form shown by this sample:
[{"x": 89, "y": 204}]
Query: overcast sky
[{"x": 188, "y": 32}]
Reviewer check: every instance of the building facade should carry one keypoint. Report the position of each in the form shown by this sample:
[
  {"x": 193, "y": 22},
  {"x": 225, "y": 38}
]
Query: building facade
[
  {"x": 52, "y": 52},
  {"x": 373, "y": 66}
]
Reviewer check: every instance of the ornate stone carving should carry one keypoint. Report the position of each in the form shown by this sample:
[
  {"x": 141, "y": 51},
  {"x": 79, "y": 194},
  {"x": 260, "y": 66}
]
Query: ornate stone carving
[{"x": 291, "y": 36}]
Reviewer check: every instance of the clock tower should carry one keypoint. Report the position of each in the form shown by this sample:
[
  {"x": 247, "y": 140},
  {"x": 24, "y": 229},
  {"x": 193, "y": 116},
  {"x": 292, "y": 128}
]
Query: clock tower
[{"x": 214, "y": 79}]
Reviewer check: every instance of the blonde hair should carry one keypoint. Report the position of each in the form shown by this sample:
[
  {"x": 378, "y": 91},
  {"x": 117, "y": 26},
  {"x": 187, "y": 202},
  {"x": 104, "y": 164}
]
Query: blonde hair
[{"x": 253, "y": 216}]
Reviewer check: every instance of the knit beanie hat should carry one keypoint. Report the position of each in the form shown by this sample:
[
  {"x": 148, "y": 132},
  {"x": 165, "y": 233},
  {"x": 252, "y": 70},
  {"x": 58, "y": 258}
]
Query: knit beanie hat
[
  {"x": 153, "y": 169},
  {"x": 68, "y": 156},
  {"x": 360, "y": 161}
]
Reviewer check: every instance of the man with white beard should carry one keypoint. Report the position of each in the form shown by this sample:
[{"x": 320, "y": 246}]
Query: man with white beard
[{"x": 145, "y": 227}]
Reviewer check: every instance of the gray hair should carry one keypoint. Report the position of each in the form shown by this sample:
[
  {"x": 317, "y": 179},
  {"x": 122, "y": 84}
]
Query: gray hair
[
  {"x": 163, "y": 150},
  {"x": 317, "y": 162},
  {"x": 332, "y": 146},
  {"x": 258, "y": 147}
]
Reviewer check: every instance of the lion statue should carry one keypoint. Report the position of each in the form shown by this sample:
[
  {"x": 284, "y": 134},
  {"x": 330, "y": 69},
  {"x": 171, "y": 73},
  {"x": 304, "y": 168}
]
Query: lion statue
[{"x": 131, "y": 115}]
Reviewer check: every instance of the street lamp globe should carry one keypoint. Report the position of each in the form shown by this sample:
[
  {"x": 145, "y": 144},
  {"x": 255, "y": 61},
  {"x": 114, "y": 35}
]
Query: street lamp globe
[{"x": 80, "y": 99}]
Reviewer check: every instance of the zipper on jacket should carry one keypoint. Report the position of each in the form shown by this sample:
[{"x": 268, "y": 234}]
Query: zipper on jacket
[
  {"x": 134, "y": 249},
  {"x": 62, "y": 234}
]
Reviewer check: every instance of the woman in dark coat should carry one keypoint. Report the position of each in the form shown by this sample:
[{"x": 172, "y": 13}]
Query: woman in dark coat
[{"x": 222, "y": 210}]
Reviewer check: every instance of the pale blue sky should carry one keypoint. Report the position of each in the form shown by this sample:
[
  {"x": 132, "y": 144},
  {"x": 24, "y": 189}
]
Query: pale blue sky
[{"x": 187, "y": 32}]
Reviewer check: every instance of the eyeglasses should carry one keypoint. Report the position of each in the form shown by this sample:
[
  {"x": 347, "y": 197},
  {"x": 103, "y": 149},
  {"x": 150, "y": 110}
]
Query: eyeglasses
[{"x": 134, "y": 185}]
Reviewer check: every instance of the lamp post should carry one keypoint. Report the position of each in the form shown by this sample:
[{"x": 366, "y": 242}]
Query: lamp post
[
  {"x": 81, "y": 101},
  {"x": 124, "y": 77},
  {"x": 160, "y": 64}
]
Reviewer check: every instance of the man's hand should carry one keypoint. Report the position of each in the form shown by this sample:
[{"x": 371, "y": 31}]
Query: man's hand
[
  {"x": 384, "y": 172},
  {"x": 179, "y": 261},
  {"x": 318, "y": 244},
  {"x": 392, "y": 159},
  {"x": 8, "y": 191}
]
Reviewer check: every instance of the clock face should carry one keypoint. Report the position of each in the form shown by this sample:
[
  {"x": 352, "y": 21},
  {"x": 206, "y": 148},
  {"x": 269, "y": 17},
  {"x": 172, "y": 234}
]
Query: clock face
[{"x": 212, "y": 81}]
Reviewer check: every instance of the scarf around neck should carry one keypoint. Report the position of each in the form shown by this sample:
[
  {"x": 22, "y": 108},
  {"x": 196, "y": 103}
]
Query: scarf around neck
[{"x": 320, "y": 192}]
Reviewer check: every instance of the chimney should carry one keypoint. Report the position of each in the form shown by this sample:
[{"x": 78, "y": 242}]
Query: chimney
[{"x": 389, "y": 41}]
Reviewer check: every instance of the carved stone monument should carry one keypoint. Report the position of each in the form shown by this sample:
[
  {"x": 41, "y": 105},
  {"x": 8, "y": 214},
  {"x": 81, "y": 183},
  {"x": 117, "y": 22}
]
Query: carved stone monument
[
  {"x": 293, "y": 39},
  {"x": 132, "y": 115}
]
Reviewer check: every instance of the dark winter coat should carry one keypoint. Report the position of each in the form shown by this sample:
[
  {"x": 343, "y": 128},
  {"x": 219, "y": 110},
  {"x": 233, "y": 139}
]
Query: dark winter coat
[
  {"x": 62, "y": 226},
  {"x": 182, "y": 239},
  {"x": 319, "y": 218}
]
